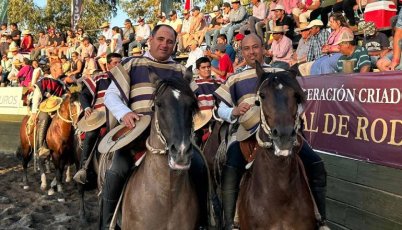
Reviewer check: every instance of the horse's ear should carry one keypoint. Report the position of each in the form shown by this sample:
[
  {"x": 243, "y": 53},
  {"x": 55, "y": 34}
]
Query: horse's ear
[
  {"x": 261, "y": 74},
  {"x": 153, "y": 77},
  {"x": 188, "y": 75}
]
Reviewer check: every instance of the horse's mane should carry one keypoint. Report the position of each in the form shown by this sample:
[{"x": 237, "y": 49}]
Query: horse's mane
[
  {"x": 180, "y": 84},
  {"x": 287, "y": 79}
]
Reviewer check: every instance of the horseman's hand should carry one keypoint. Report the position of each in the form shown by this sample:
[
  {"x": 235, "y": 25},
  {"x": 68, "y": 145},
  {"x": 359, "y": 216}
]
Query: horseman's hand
[
  {"x": 130, "y": 118},
  {"x": 88, "y": 112},
  {"x": 241, "y": 109}
]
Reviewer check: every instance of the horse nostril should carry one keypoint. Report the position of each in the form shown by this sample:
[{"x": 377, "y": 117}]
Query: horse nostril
[
  {"x": 293, "y": 133},
  {"x": 275, "y": 133},
  {"x": 173, "y": 148}
]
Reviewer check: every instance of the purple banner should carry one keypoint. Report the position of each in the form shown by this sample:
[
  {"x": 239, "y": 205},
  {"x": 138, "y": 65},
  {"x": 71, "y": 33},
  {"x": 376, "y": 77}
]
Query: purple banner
[{"x": 356, "y": 115}]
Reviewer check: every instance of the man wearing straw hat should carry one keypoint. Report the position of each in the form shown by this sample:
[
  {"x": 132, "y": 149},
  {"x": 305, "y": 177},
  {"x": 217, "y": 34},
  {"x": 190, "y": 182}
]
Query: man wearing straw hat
[
  {"x": 132, "y": 108},
  {"x": 91, "y": 99},
  {"x": 300, "y": 55},
  {"x": 281, "y": 48},
  {"x": 237, "y": 105},
  {"x": 106, "y": 31},
  {"x": 48, "y": 90}
]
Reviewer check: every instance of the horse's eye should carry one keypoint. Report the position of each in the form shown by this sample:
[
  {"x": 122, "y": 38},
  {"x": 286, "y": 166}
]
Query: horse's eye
[{"x": 158, "y": 104}]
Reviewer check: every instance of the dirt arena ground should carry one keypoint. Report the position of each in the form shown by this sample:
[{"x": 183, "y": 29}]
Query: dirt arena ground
[{"x": 34, "y": 209}]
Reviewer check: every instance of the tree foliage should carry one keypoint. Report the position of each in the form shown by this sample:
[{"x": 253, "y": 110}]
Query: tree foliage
[
  {"x": 148, "y": 9},
  {"x": 58, "y": 14}
]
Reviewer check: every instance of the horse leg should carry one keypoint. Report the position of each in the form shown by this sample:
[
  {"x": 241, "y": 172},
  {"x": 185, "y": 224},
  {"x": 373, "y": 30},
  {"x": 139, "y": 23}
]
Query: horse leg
[
  {"x": 82, "y": 214},
  {"x": 47, "y": 164},
  {"x": 68, "y": 174},
  {"x": 41, "y": 165},
  {"x": 59, "y": 180},
  {"x": 25, "y": 173}
]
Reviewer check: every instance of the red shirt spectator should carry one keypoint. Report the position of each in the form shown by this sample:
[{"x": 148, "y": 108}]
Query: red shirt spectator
[
  {"x": 225, "y": 64},
  {"x": 27, "y": 41}
]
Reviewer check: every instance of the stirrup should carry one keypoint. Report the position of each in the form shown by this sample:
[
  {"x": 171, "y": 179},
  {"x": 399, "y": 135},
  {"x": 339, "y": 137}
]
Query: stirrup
[
  {"x": 43, "y": 152},
  {"x": 81, "y": 176}
]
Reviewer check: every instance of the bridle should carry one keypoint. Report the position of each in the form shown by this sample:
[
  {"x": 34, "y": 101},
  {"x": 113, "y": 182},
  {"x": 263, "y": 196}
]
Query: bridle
[
  {"x": 264, "y": 124},
  {"x": 160, "y": 136},
  {"x": 71, "y": 116}
]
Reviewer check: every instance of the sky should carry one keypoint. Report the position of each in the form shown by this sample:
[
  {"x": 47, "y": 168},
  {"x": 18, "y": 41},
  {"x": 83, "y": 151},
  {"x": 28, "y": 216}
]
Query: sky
[{"x": 116, "y": 21}]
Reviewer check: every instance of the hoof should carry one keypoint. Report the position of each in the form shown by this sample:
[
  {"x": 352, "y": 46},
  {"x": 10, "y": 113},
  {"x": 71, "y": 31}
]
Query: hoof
[
  {"x": 61, "y": 200},
  {"x": 26, "y": 187},
  {"x": 50, "y": 192},
  {"x": 43, "y": 187},
  {"x": 68, "y": 179}
]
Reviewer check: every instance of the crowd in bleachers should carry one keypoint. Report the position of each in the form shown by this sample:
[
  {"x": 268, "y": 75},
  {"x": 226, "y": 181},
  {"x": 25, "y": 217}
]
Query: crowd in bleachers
[{"x": 309, "y": 37}]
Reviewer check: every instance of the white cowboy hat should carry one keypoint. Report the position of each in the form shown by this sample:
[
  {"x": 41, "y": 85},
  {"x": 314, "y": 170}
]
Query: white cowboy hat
[
  {"x": 315, "y": 22},
  {"x": 202, "y": 118},
  {"x": 278, "y": 29},
  {"x": 303, "y": 26},
  {"x": 94, "y": 121},
  {"x": 121, "y": 136},
  {"x": 51, "y": 104},
  {"x": 248, "y": 123}
]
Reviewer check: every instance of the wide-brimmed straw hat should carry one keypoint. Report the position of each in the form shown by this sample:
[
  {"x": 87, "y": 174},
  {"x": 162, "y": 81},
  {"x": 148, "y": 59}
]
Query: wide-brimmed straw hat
[
  {"x": 202, "y": 118},
  {"x": 249, "y": 123},
  {"x": 277, "y": 29},
  {"x": 315, "y": 22},
  {"x": 17, "y": 62},
  {"x": 51, "y": 104},
  {"x": 135, "y": 50},
  {"x": 302, "y": 27},
  {"x": 121, "y": 136},
  {"x": 13, "y": 48},
  {"x": 94, "y": 121},
  {"x": 104, "y": 25},
  {"x": 26, "y": 32}
]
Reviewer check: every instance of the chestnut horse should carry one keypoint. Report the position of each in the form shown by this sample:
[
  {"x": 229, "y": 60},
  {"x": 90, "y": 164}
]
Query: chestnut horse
[
  {"x": 160, "y": 194},
  {"x": 274, "y": 193},
  {"x": 26, "y": 149},
  {"x": 60, "y": 138}
]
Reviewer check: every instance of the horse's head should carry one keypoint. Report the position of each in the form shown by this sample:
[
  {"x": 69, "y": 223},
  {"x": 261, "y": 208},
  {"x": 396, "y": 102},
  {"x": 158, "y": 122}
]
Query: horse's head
[
  {"x": 71, "y": 106},
  {"x": 174, "y": 106},
  {"x": 280, "y": 97}
]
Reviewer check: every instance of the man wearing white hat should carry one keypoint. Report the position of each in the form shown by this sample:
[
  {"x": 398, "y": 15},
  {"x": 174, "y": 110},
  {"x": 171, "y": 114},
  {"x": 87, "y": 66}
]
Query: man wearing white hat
[
  {"x": 106, "y": 31},
  {"x": 237, "y": 97},
  {"x": 162, "y": 19},
  {"x": 91, "y": 99},
  {"x": 281, "y": 49},
  {"x": 319, "y": 37},
  {"x": 237, "y": 18},
  {"x": 142, "y": 34},
  {"x": 354, "y": 59}
]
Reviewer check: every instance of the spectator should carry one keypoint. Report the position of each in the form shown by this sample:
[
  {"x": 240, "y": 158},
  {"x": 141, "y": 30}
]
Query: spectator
[
  {"x": 4, "y": 29},
  {"x": 289, "y": 5},
  {"x": 40, "y": 46},
  {"x": 280, "y": 19},
  {"x": 89, "y": 67},
  {"x": 37, "y": 72},
  {"x": 319, "y": 37},
  {"x": 75, "y": 71},
  {"x": 225, "y": 64},
  {"x": 281, "y": 49},
  {"x": 142, "y": 35},
  {"x": 195, "y": 53},
  {"x": 229, "y": 51},
  {"x": 60, "y": 43},
  {"x": 328, "y": 63},
  {"x": 27, "y": 42},
  {"x": 3, "y": 44},
  {"x": 65, "y": 64},
  {"x": 239, "y": 62},
  {"x": 237, "y": 17},
  {"x": 102, "y": 52},
  {"x": 13, "y": 78},
  {"x": 70, "y": 44},
  {"x": 376, "y": 43},
  {"x": 175, "y": 22},
  {"x": 259, "y": 13},
  {"x": 116, "y": 46},
  {"x": 52, "y": 43},
  {"x": 86, "y": 48},
  {"x": 5, "y": 69},
  {"x": 136, "y": 52},
  {"x": 15, "y": 33},
  {"x": 300, "y": 55},
  {"x": 354, "y": 58},
  {"x": 213, "y": 29},
  {"x": 17, "y": 58},
  {"x": 162, "y": 19},
  {"x": 266, "y": 22},
  {"x": 128, "y": 36},
  {"x": 197, "y": 24},
  {"x": 24, "y": 76},
  {"x": 106, "y": 31},
  {"x": 323, "y": 11},
  {"x": 302, "y": 12},
  {"x": 185, "y": 31}
]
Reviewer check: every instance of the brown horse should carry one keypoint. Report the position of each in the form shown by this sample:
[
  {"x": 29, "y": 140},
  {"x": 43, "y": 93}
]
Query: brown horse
[
  {"x": 160, "y": 194},
  {"x": 274, "y": 193},
  {"x": 59, "y": 138},
  {"x": 26, "y": 149}
]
